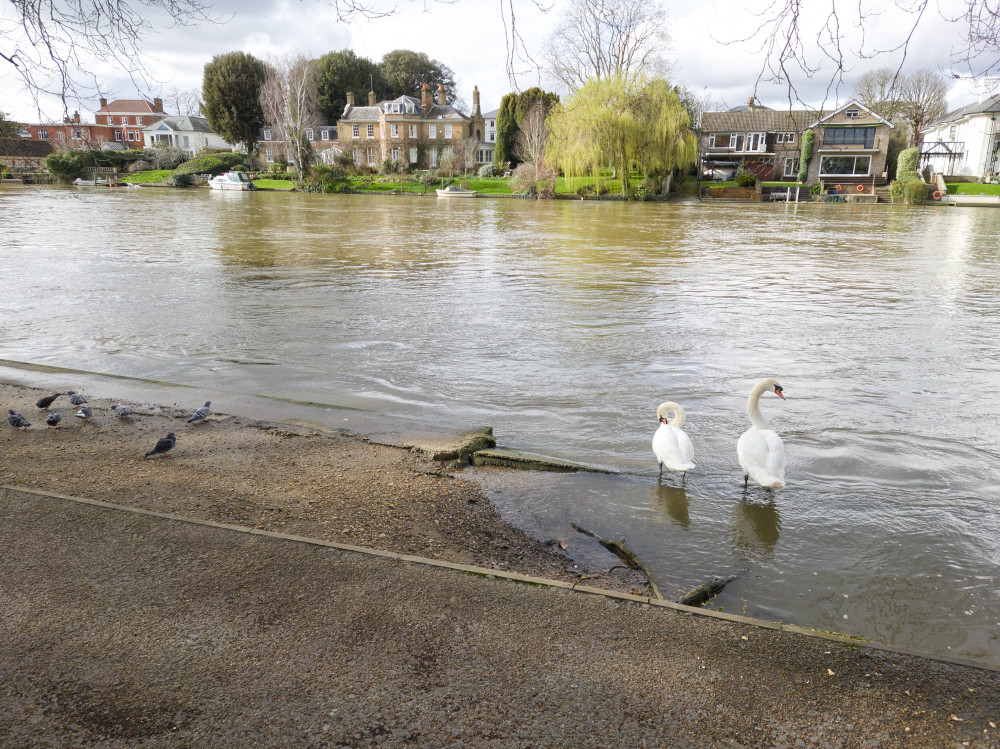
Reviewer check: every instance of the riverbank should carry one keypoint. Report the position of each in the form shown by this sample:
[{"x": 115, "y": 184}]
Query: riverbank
[{"x": 284, "y": 477}]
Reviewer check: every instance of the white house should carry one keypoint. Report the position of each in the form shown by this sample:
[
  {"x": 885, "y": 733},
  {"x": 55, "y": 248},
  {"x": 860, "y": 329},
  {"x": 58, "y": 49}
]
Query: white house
[
  {"x": 965, "y": 142},
  {"x": 190, "y": 134}
]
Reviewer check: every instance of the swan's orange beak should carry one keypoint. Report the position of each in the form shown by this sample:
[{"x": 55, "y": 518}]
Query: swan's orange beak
[{"x": 778, "y": 392}]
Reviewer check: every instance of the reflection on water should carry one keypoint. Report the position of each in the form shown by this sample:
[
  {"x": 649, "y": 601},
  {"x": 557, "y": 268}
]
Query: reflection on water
[
  {"x": 672, "y": 502},
  {"x": 756, "y": 527},
  {"x": 563, "y": 324}
]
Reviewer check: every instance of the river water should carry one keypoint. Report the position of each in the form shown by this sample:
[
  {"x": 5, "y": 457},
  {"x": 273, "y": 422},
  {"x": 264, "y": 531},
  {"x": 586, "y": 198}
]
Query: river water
[{"x": 563, "y": 325}]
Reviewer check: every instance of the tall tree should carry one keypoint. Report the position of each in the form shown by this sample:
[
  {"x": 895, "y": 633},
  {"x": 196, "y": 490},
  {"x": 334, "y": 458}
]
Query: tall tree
[
  {"x": 503, "y": 150},
  {"x": 8, "y": 129},
  {"x": 339, "y": 72},
  {"x": 532, "y": 137},
  {"x": 608, "y": 39},
  {"x": 404, "y": 71},
  {"x": 231, "y": 93},
  {"x": 514, "y": 109},
  {"x": 924, "y": 100},
  {"x": 639, "y": 124},
  {"x": 879, "y": 90},
  {"x": 288, "y": 100}
]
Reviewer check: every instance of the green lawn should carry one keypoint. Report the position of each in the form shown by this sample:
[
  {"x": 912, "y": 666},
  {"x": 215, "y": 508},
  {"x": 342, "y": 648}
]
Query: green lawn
[
  {"x": 274, "y": 184},
  {"x": 151, "y": 177},
  {"x": 972, "y": 188}
]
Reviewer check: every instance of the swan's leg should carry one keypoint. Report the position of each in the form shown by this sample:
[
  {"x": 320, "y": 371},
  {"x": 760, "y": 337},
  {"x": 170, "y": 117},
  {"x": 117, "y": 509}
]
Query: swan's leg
[
  {"x": 684, "y": 476},
  {"x": 661, "y": 473},
  {"x": 746, "y": 480}
]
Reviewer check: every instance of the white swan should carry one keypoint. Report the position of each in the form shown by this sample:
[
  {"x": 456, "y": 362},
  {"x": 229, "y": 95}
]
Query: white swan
[
  {"x": 671, "y": 446},
  {"x": 760, "y": 450}
]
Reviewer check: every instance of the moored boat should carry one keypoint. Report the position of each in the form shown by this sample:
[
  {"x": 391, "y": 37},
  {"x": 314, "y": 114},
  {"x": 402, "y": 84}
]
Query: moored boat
[
  {"x": 234, "y": 180},
  {"x": 454, "y": 191}
]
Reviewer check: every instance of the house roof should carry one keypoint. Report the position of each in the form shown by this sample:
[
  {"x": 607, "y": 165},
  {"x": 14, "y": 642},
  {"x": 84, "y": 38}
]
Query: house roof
[
  {"x": 853, "y": 104},
  {"x": 25, "y": 148},
  {"x": 127, "y": 106},
  {"x": 372, "y": 114},
  {"x": 362, "y": 114},
  {"x": 491, "y": 115},
  {"x": 181, "y": 123},
  {"x": 759, "y": 119},
  {"x": 445, "y": 112},
  {"x": 989, "y": 106}
]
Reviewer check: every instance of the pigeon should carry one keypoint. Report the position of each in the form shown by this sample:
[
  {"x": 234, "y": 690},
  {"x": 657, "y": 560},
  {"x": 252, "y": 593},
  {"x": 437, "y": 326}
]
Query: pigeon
[
  {"x": 84, "y": 413},
  {"x": 122, "y": 412},
  {"x": 16, "y": 420},
  {"x": 162, "y": 446},
  {"x": 75, "y": 398},
  {"x": 201, "y": 413},
  {"x": 47, "y": 400},
  {"x": 53, "y": 419}
]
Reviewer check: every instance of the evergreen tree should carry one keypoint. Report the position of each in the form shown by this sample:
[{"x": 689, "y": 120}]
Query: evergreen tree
[
  {"x": 339, "y": 72},
  {"x": 231, "y": 92},
  {"x": 503, "y": 151},
  {"x": 405, "y": 71}
]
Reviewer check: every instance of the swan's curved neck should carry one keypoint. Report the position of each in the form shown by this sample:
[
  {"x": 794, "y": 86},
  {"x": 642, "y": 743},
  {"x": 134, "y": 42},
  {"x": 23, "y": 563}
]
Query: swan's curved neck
[
  {"x": 753, "y": 405},
  {"x": 676, "y": 409}
]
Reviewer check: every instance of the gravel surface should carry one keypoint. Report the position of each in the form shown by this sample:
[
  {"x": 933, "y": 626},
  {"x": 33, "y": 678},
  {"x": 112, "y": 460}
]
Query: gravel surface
[
  {"x": 280, "y": 477},
  {"x": 123, "y": 630}
]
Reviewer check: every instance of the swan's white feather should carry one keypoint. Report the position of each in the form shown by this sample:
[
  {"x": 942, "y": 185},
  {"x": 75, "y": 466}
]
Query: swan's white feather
[
  {"x": 673, "y": 448},
  {"x": 762, "y": 456}
]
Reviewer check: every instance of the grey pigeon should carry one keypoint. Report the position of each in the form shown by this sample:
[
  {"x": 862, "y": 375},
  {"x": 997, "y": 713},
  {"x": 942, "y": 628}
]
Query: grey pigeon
[
  {"x": 53, "y": 419},
  {"x": 163, "y": 446},
  {"x": 84, "y": 413},
  {"x": 47, "y": 400},
  {"x": 16, "y": 420},
  {"x": 75, "y": 398},
  {"x": 201, "y": 413},
  {"x": 122, "y": 412}
]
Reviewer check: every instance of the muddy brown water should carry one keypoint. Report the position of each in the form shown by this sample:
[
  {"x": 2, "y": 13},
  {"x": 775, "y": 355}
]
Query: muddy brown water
[{"x": 563, "y": 325}]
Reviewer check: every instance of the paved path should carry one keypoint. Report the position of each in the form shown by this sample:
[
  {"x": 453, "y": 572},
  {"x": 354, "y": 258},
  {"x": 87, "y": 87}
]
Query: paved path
[{"x": 121, "y": 629}]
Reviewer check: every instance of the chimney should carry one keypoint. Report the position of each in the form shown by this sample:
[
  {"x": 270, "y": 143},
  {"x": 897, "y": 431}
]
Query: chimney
[
  {"x": 157, "y": 105},
  {"x": 104, "y": 102},
  {"x": 371, "y": 98},
  {"x": 76, "y": 117},
  {"x": 425, "y": 98},
  {"x": 441, "y": 99},
  {"x": 750, "y": 103},
  {"x": 475, "y": 100},
  {"x": 350, "y": 100}
]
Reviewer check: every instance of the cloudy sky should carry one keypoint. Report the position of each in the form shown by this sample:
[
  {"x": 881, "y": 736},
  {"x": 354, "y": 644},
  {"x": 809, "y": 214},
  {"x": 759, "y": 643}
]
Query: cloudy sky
[{"x": 469, "y": 36}]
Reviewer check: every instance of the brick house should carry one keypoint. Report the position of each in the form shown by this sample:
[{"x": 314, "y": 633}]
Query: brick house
[
  {"x": 412, "y": 131},
  {"x": 765, "y": 141},
  {"x": 850, "y": 146},
  {"x": 24, "y": 155},
  {"x": 272, "y": 147},
  {"x": 70, "y": 134},
  {"x": 850, "y": 149},
  {"x": 127, "y": 118}
]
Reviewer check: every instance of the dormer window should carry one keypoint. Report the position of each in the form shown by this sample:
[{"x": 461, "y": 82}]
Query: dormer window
[
  {"x": 309, "y": 134},
  {"x": 266, "y": 134},
  {"x": 409, "y": 108},
  {"x": 852, "y": 113}
]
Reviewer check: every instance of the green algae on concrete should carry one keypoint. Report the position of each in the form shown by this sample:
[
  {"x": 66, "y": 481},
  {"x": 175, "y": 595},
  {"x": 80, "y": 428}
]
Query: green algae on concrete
[
  {"x": 460, "y": 447},
  {"x": 527, "y": 461}
]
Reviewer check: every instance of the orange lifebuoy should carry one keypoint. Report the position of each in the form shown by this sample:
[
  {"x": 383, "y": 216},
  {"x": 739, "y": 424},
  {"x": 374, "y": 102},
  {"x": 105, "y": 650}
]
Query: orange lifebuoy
[
  {"x": 861, "y": 188},
  {"x": 938, "y": 195},
  {"x": 839, "y": 188}
]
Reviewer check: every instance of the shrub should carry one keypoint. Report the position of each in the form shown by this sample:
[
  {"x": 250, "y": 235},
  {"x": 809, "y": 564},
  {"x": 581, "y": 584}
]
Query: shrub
[
  {"x": 390, "y": 166},
  {"x": 908, "y": 162},
  {"x": 181, "y": 180},
  {"x": 530, "y": 181},
  {"x": 745, "y": 178},
  {"x": 163, "y": 157},
  {"x": 806, "y": 154},
  {"x": 915, "y": 193},
  {"x": 487, "y": 170},
  {"x": 212, "y": 163},
  {"x": 66, "y": 165},
  {"x": 501, "y": 169}
]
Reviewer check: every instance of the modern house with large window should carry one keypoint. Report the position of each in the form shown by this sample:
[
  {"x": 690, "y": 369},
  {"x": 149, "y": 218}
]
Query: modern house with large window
[
  {"x": 850, "y": 149},
  {"x": 966, "y": 141},
  {"x": 850, "y": 144}
]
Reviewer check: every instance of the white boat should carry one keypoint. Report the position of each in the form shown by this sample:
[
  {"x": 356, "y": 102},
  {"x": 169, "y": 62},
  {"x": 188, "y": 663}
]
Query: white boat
[
  {"x": 232, "y": 181},
  {"x": 454, "y": 191}
]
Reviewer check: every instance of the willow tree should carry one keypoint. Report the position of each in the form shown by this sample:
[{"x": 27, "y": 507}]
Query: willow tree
[{"x": 640, "y": 125}]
